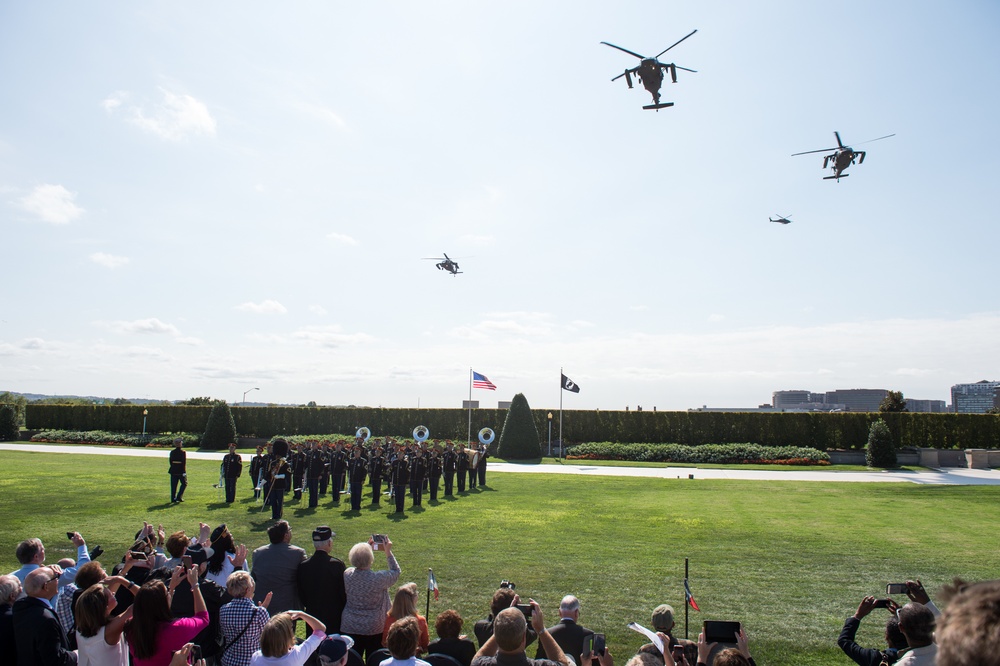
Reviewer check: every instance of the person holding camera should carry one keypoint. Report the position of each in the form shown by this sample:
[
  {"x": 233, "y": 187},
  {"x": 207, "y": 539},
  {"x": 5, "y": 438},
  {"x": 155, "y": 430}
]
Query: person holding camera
[
  {"x": 505, "y": 597},
  {"x": 894, "y": 638},
  {"x": 367, "y": 596},
  {"x": 506, "y": 647},
  {"x": 737, "y": 656}
]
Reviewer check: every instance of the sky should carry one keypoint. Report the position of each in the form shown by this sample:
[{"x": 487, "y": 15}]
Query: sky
[{"x": 197, "y": 199}]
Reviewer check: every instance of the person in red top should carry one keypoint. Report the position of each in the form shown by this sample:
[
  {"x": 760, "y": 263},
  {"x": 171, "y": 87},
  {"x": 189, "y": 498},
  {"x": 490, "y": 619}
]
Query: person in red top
[
  {"x": 153, "y": 633},
  {"x": 403, "y": 605}
]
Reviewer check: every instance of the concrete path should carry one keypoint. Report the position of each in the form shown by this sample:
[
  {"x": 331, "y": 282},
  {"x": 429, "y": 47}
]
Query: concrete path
[{"x": 948, "y": 476}]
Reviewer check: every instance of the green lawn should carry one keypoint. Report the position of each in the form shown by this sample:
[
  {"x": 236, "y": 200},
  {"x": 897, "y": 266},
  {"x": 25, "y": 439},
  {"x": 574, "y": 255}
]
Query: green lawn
[{"x": 790, "y": 560}]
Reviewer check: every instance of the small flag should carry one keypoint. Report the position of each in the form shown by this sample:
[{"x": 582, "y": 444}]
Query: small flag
[
  {"x": 480, "y": 381},
  {"x": 432, "y": 583},
  {"x": 690, "y": 597},
  {"x": 569, "y": 385}
]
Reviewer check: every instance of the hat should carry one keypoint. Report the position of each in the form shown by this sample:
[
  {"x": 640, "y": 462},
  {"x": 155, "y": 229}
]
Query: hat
[
  {"x": 663, "y": 618},
  {"x": 323, "y": 533},
  {"x": 199, "y": 553},
  {"x": 218, "y": 532},
  {"x": 334, "y": 647}
]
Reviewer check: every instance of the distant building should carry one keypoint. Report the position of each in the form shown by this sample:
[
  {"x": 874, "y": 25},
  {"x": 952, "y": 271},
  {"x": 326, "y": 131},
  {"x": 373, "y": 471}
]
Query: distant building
[
  {"x": 975, "y": 398},
  {"x": 934, "y": 406},
  {"x": 857, "y": 400}
]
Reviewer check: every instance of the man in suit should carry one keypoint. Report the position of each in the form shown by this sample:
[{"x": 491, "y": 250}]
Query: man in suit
[
  {"x": 41, "y": 639},
  {"x": 232, "y": 469},
  {"x": 568, "y": 634},
  {"x": 321, "y": 582},
  {"x": 178, "y": 471},
  {"x": 276, "y": 569}
]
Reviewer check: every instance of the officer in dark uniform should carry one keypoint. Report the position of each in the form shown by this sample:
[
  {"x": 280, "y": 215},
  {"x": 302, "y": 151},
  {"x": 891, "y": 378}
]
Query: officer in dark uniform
[
  {"x": 481, "y": 465},
  {"x": 281, "y": 473},
  {"x": 232, "y": 469},
  {"x": 266, "y": 461},
  {"x": 376, "y": 468},
  {"x": 256, "y": 465},
  {"x": 434, "y": 472},
  {"x": 178, "y": 471},
  {"x": 324, "y": 479},
  {"x": 298, "y": 462},
  {"x": 472, "y": 471},
  {"x": 462, "y": 466},
  {"x": 448, "y": 461},
  {"x": 418, "y": 472},
  {"x": 357, "y": 472},
  {"x": 400, "y": 477},
  {"x": 315, "y": 465},
  {"x": 338, "y": 466}
]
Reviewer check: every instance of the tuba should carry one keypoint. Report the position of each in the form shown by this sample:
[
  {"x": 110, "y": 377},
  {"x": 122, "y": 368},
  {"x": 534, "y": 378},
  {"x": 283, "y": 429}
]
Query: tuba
[
  {"x": 486, "y": 436},
  {"x": 363, "y": 433},
  {"x": 421, "y": 433}
]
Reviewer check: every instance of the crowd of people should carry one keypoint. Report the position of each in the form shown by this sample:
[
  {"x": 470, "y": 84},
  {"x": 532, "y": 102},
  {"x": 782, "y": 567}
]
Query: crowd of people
[
  {"x": 205, "y": 599},
  {"x": 314, "y": 468}
]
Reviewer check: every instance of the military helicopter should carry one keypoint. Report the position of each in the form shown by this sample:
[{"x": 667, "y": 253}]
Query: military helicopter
[
  {"x": 782, "y": 219},
  {"x": 445, "y": 264},
  {"x": 842, "y": 157},
  {"x": 650, "y": 72}
]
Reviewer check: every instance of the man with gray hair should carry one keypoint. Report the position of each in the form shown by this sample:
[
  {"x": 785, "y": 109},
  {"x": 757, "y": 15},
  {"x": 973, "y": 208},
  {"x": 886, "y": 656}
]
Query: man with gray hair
[
  {"x": 568, "y": 634},
  {"x": 321, "y": 581},
  {"x": 506, "y": 646},
  {"x": 917, "y": 623},
  {"x": 39, "y": 636}
]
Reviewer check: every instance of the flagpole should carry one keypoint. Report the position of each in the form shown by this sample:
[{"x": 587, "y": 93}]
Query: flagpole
[
  {"x": 469, "y": 434},
  {"x": 562, "y": 450},
  {"x": 427, "y": 612},
  {"x": 686, "y": 604}
]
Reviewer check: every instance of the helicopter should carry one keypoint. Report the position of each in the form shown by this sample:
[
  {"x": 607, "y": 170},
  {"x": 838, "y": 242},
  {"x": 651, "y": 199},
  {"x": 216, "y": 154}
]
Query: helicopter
[
  {"x": 446, "y": 263},
  {"x": 842, "y": 157},
  {"x": 782, "y": 219},
  {"x": 650, "y": 72}
]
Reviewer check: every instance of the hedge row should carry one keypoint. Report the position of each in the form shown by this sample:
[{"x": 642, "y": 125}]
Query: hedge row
[
  {"x": 822, "y": 431},
  {"x": 705, "y": 453},
  {"x": 113, "y": 438}
]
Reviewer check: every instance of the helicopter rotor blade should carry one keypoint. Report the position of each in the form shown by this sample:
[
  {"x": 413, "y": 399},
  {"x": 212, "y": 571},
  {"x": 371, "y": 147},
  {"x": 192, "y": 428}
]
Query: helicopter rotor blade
[
  {"x": 631, "y": 53},
  {"x": 686, "y": 69},
  {"x": 625, "y": 73},
  {"x": 878, "y": 139},
  {"x": 672, "y": 45},
  {"x": 837, "y": 134},
  {"x": 809, "y": 152}
]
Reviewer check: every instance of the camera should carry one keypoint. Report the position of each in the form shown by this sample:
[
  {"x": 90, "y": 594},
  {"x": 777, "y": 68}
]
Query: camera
[
  {"x": 525, "y": 610},
  {"x": 96, "y": 552},
  {"x": 138, "y": 555},
  {"x": 896, "y": 588},
  {"x": 506, "y": 584},
  {"x": 881, "y": 603}
]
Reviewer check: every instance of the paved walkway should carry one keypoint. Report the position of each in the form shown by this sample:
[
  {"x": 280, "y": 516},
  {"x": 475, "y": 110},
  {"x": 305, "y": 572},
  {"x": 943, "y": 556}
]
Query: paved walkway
[{"x": 947, "y": 476}]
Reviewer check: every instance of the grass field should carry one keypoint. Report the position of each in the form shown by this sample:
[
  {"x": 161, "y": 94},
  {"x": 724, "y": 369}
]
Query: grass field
[{"x": 790, "y": 560}]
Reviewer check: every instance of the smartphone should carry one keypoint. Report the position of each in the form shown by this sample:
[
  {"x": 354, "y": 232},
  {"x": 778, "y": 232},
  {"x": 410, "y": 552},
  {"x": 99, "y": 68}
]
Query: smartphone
[
  {"x": 186, "y": 560},
  {"x": 896, "y": 588},
  {"x": 881, "y": 603},
  {"x": 138, "y": 555},
  {"x": 195, "y": 654},
  {"x": 721, "y": 632},
  {"x": 379, "y": 539},
  {"x": 588, "y": 644},
  {"x": 69, "y": 535},
  {"x": 526, "y": 609},
  {"x": 678, "y": 653},
  {"x": 599, "y": 644}
]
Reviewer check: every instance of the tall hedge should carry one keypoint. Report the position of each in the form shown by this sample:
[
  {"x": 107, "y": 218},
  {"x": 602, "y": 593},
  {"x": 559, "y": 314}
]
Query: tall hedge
[
  {"x": 880, "y": 451},
  {"x": 9, "y": 430},
  {"x": 519, "y": 438},
  {"x": 221, "y": 428}
]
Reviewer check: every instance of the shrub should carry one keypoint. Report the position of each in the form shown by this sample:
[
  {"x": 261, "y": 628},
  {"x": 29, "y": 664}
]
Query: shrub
[
  {"x": 519, "y": 437},
  {"x": 880, "y": 450},
  {"x": 221, "y": 428},
  {"x": 112, "y": 438},
  {"x": 9, "y": 430},
  {"x": 706, "y": 453}
]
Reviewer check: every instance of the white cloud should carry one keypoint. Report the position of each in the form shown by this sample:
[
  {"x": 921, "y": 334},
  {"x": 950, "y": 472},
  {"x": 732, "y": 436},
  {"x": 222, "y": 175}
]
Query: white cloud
[
  {"x": 317, "y": 310},
  {"x": 108, "y": 260},
  {"x": 716, "y": 317},
  {"x": 33, "y": 343},
  {"x": 324, "y": 114},
  {"x": 51, "y": 203},
  {"x": 191, "y": 341},
  {"x": 264, "y": 307},
  {"x": 343, "y": 239},
  {"x": 176, "y": 117},
  {"x": 330, "y": 336},
  {"x": 145, "y": 326},
  {"x": 500, "y": 325}
]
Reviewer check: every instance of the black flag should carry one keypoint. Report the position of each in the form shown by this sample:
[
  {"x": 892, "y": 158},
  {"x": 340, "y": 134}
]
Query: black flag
[{"x": 569, "y": 385}]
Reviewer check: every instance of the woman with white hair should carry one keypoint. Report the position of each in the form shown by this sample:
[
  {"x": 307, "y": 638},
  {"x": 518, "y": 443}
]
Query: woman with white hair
[
  {"x": 10, "y": 590},
  {"x": 367, "y": 596}
]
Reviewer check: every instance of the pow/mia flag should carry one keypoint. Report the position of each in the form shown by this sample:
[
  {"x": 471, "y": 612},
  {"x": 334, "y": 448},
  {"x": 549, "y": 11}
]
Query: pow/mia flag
[{"x": 569, "y": 385}]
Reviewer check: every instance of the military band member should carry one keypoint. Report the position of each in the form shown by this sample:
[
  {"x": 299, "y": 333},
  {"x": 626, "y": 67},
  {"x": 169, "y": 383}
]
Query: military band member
[
  {"x": 400, "y": 477},
  {"x": 315, "y": 466},
  {"x": 338, "y": 466},
  {"x": 281, "y": 476},
  {"x": 298, "y": 463},
  {"x": 418, "y": 472},
  {"x": 481, "y": 465},
  {"x": 357, "y": 471},
  {"x": 472, "y": 470},
  {"x": 462, "y": 467},
  {"x": 324, "y": 479},
  {"x": 448, "y": 463},
  {"x": 434, "y": 472},
  {"x": 376, "y": 469},
  {"x": 178, "y": 471},
  {"x": 256, "y": 466},
  {"x": 232, "y": 469}
]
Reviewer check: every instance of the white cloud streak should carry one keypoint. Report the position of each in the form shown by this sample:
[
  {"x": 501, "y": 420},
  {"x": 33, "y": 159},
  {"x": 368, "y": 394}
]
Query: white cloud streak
[
  {"x": 175, "y": 117},
  {"x": 51, "y": 203},
  {"x": 108, "y": 260},
  {"x": 267, "y": 307}
]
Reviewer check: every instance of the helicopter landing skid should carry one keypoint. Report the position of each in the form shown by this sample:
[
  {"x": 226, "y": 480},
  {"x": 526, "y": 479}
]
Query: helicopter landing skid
[
  {"x": 658, "y": 106},
  {"x": 843, "y": 175}
]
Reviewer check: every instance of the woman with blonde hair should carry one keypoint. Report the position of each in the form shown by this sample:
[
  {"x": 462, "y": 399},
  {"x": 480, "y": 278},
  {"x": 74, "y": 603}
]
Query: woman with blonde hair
[
  {"x": 404, "y": 604},
  {"x": 367, "y": 596},
  {"x": 277, "y": 640}
]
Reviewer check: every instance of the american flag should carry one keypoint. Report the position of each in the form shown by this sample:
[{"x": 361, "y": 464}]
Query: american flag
[{"x": 480, "y": 381}]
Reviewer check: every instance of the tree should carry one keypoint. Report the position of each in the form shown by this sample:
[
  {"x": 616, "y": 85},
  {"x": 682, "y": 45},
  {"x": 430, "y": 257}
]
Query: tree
[
  {"x": 18, "y": 402},
  {"x": 880, "y": 450},
  {"x": 202, "y": 401},
  {"x": 9, "y": 429},
  {"x": 221, "y": 428},
  {"x": 519, "y": 437},
  {"x": 893, "y": 402},
  {"x": 121, "y": 401}
]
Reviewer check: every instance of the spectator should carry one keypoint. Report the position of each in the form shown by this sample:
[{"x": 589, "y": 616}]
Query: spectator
[
  {"x": 276, "y": 569},
  {"x": 404, "y": 604},
  {"x": 334, "y": 650},
  {"x": 503, "y": 598},
  {"x": 214, "y": 596},
  {"x": 367, "y": 596},
  {"x": 241, "y": 620},
  {"x": 10, "y": 590},
  {"x": 153, "y": 633},
  {"x": 450, "y": 641},
  {"x": 99, "y": 636},
  {"x": 31, "y": 554},
  {"x": 568, "y": 633},
  {"x": 967, "y": 635},
  {"x": 176, "y": 545},
  {"x": 870, "y": 656},
  {"x": 737, "y": 656},
  {"x": 662, "y": 621},
  {"x": 277, "y": 640},
  {"x": 39, "y": 636},
  {"x": 507, "y": 644},
  {"x": 916, "y": 621},
  {"x": 321, "y": 581},
  {"x": 226, "y": 556},
  {"x": 403, "y": 641}
]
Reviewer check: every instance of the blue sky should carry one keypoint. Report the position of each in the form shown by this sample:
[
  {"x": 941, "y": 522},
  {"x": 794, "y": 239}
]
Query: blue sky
[{"x": 201, "y": 198}]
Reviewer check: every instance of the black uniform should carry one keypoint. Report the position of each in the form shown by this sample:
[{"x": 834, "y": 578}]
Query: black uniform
[
  {"x": 281, "y": 473},
  {"x": 256, "y": 465},
  {"x": 298, "y": 462},
  {"x": 315, "y": 465},
  {"x": 481, "y": 466},
  {"x": 449, "y": 460},
  {"x": 337, "y": 468},
  {"x": 178, "y": 474},
  {"x": 376, "y": 468},
  {"x": 418, "y": 472},
  {"x": 357, "y": 472},
  {"x": 232, "y": 469},
  {"x": 400, "y": 476},
  {"x": 463, "y": 468},
  {"x": 324, "y": 479}
]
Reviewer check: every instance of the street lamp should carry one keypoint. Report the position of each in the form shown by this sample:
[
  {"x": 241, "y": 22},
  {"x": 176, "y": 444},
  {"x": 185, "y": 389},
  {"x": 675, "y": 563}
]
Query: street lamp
[
  {"x": 550, "y": 434},
  {"x": 145, "y": 413},
  {"x": 256, "y": 388}
]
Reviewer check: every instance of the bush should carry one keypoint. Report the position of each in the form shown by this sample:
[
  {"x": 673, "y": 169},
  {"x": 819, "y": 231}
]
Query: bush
[
  {"x": 9, "y": 430},
  {"x": 519, "y": 438},
  {"x": 880, "y": 450},
  {"x": 112, "y": 438},
  {"x": 705, "y": 453},
  {"x": 221, "y": 428}
]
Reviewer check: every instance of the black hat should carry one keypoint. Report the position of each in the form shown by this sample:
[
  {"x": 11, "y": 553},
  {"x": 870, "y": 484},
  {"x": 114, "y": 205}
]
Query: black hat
[
  {"x": 199, "y": 553},
  {"x": 334, "y": 647},
  {"x": 323, "y": 533}
]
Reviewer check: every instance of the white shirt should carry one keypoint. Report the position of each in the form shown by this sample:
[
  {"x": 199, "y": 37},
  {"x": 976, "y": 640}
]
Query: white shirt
[{"x": 295, "y": 657}]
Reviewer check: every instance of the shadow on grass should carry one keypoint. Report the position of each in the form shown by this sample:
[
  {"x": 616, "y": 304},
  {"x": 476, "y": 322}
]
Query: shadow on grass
[
  {"x": 486, "y": 489},
  {"x": 160, "y": 507},
  {"x": 397, "y": 516},
  {"x": 215, "y": 506}
]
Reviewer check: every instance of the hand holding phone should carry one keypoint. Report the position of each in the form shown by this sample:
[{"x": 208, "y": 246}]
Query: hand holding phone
[{"x": 599, "y": 644}]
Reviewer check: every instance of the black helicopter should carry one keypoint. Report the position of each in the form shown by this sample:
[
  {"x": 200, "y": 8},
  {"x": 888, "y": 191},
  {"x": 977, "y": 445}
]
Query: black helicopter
[
  {"x": 446, "y": 264},
  {"x": 650, "y": 72},
  {"x": 782, "y": 219},
  {"x": 842, "y": 157}
]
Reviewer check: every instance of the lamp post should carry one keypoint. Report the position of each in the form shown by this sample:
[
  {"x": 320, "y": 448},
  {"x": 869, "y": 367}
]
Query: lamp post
[
  {"x": 244, "y": 404},
  {"x": 145, "y": 413},
  {"x": 550, "y": 434}
]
